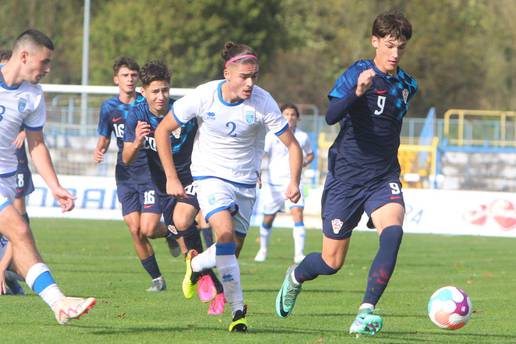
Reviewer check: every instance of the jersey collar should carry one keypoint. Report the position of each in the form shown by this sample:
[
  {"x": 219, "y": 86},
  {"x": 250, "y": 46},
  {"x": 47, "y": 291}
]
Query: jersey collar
[
  {"x": 4, "y": 85},
  {"x": 221, "y": 99}
]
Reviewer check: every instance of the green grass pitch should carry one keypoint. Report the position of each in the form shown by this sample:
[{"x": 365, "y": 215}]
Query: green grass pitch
[{"x": 96, "y": 258}]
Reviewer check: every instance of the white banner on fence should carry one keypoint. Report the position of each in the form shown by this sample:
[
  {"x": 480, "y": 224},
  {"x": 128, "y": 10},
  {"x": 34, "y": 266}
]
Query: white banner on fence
[{"x": 427, "y": 211}]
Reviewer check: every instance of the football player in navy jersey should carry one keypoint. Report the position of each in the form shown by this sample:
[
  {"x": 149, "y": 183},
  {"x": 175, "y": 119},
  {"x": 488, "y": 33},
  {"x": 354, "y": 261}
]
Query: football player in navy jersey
[
  {"x": 179, "y": 213},
  {"x": 369, "y": 101},
  {"x": 136, "y": 192}
]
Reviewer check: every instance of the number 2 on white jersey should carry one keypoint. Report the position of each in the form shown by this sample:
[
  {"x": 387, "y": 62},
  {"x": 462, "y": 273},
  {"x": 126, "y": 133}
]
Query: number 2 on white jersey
[{"x": 232, "y": 126}]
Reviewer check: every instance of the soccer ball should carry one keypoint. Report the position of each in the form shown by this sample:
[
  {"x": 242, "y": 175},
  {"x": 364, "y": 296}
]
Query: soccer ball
[{"x": 449, "y": 308}]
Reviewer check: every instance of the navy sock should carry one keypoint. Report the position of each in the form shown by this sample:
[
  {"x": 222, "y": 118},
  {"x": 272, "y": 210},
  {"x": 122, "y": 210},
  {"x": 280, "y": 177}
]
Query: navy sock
[
  {"x": 383, "y": 264},
  {"x": 192, "y": 239},
  {"x": 207, "y": 235},
  {"x": 312, "y": 266},
  {"x": 216, "y": 281},
  {"x": 151, "y": 266},
  {"x": 26, "y": 218}
]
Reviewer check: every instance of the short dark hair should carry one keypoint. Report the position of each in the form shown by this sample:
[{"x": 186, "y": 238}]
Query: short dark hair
[
  {"x": 124, "y": 61},
  {"x": 392, "y": 23},
  {"x": 231, "y": 50},
  {"x": 35, "y": 37},
  {"x": 5, "y": 54},
  {"x": 285, "y": 106},
  {"x": 154, "y": 70}
]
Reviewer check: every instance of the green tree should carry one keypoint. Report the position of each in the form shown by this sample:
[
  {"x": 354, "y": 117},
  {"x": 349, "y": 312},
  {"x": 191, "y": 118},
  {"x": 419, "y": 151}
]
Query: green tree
[{"x": 187, "y": 35}]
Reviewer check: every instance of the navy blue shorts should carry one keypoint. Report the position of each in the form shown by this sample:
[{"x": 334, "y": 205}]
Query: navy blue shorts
[
  {"x": 169, "y": 203},
  {"x": 343, "y": 205},
  {"x": 143, "y": 198},
  {"x": 24, "y": 185}
]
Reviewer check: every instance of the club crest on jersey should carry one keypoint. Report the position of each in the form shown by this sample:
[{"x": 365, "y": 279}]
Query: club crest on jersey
[
  {"x": 250, "y": 117},
  {"x": 405, "y": 95},
  {"x": 177, "y": 133},
  {"x": 336, "y": 225},
  {"x": 22, "y": 104}
]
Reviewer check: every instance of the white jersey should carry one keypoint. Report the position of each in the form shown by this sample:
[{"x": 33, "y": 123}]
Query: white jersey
[
  {"x": 229, "y": 142},
  {"x": 21, "y": 106},
  {"x": 278, "y": 169}
]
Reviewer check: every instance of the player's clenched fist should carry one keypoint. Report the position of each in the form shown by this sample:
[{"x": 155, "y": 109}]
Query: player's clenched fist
[
  {"x": 292, "y": 193},
  {"x": 175, "y": 188},
  {"x": 364, "y": 82},
  {"x": 142, "y": 130}
]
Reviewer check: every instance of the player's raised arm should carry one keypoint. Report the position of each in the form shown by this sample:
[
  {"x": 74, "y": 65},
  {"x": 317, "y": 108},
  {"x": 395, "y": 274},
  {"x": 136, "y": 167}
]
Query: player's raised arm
[
  {"x": 162, "y": 136},
  {"x": 348, "y": 88},
  {"x": 295, "y": 156},
  {"x": 41, "y": 159}
]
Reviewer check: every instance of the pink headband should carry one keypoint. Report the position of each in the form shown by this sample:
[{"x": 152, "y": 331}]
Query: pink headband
[{"x": 239, "y": 57}]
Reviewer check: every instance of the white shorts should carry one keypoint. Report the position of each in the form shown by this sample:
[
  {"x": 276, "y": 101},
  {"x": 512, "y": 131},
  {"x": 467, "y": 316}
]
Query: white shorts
[
  {"x": 274, "y": 199},
  {"x": 215, "y": 195},
  {"x": 7, "y": 191}
]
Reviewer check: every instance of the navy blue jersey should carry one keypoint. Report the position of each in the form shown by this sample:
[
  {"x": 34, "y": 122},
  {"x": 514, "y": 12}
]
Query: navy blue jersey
[
  {"x": 112, "y": 118},
  {"x": 366, "y": 148},
  {"x": 181, "y": 140}
]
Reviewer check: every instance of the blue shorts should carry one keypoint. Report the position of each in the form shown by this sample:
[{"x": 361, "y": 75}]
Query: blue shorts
[
  {"x": 142, "y": 198},
  {"x": 168, "y": 203},
  {"x": 24, "y": 185},
  {"x": 343, "y": 205}
]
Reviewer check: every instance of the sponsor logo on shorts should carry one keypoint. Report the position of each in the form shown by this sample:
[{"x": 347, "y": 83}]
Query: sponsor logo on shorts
[
  {"x": 336, "y": 225},
  {"x": 172, "y": 229}
]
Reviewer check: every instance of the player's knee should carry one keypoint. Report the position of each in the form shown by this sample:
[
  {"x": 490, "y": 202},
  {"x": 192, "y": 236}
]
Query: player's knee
[
  {"x": 149, "y": 230},
  {"x": 135, "y": 230},
  {"x": 19, "y": 232},
  {"x": 182, "y": 222},
  {"x": 333, "y": 261}
]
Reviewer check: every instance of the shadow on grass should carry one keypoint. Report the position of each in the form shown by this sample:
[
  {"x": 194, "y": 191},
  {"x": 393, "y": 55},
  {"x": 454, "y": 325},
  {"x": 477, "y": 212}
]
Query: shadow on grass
[
  {"x": 305, "y": 291},
  {"x": 99, "y": 330},
  {"x": 446, "y": 336}
]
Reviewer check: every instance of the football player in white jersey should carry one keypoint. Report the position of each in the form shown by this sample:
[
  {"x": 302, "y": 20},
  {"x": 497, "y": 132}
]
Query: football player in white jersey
[
  {"x": 22, "y": 104},
  {"x": 277, "y": 181},
  {"x": 233, "y": 116}
]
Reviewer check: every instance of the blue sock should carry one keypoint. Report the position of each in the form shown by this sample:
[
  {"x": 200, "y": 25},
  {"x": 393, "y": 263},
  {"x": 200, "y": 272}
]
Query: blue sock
[
  {"x": 383, "y": 264},
  {"x": 151, "y": 266},
  {"x": 207, "y": 235},
  {"x": 312, "y": 266}
]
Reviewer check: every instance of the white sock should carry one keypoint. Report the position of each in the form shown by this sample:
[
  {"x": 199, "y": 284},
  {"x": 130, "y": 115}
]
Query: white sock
[
  {"x": 204, "y": 260},
  {"x": 298, "y": 233},
  {"x": 265, "y": 233},
  {"x": 41, "y": 281},
  {"x": 230, "y": 273},
  {"x": 366, "y": 306}
]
